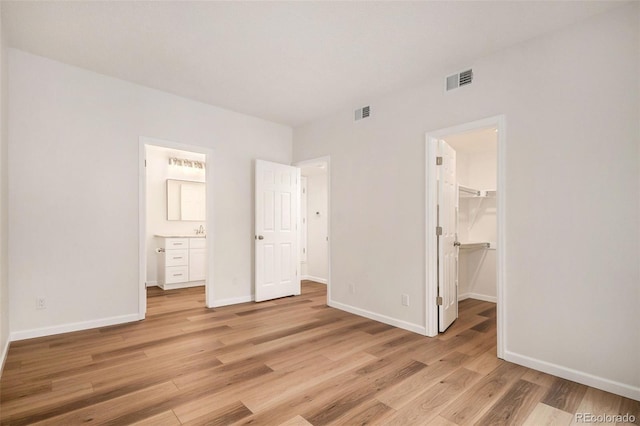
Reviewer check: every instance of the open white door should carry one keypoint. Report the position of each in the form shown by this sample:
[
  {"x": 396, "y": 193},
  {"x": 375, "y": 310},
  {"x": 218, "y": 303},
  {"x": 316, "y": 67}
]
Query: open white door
[
  {"x": 276, "y": 223},
  {"x": 447, "y": 240}
]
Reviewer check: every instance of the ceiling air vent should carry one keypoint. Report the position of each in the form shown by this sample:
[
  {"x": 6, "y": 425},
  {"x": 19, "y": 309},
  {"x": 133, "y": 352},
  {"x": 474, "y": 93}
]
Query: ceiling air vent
[
  {"x": 459, "y": 79},
  {"x": 362, "y": 113}
]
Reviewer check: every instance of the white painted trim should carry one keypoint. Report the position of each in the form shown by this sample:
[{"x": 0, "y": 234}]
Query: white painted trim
[
  {"x": 326, "y": 159},
  {"x": 477, "y": 296},
  {"x": 151, "y": 284},
  {"x": 142, "y": 229},
  {"x": 74, "y": 326},
  {"x": 501, "y": 249},
  {"x": 233, "y": 301},
  {"x": 177, "y": 286},
  {"x": 3, "y": 355},
  {"x": 597, "y": 382},
  {"x": 416, "y": 328},
  {"x": 316, "y": 279},
  {"x": 142, "y": 217},
  {"x": 431, "y": 313},
  {"x": 431, "y": 248}
]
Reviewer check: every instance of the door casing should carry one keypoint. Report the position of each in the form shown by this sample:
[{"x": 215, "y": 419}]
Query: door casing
[{"x": 431, "y": 248}]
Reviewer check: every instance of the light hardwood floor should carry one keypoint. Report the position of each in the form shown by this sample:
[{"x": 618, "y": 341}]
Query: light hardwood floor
[{"x": 291, "y": 361}]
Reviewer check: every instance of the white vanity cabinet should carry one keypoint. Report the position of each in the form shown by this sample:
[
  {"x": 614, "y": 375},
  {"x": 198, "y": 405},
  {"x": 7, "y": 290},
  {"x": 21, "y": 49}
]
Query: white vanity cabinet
[
  {"x": 181, "y": 262},
  {"x": 197, "y": 259}
]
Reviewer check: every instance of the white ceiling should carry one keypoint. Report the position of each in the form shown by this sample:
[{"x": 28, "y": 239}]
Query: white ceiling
[
  {"x": 288, "y": 62},
  {"x": 480, "y": 140}
]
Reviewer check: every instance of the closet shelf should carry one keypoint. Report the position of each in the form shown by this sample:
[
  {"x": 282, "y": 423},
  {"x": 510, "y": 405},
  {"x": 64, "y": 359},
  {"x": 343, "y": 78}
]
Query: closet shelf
[
  {"x": 475, "y": 245},
  {"x": 470, "y": 246},
  {"x": 468, "y": 192}
]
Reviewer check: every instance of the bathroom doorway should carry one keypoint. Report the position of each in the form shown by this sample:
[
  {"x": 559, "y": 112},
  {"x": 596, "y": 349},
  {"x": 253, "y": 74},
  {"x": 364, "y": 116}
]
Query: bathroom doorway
[{"x": 175, "y": 219}]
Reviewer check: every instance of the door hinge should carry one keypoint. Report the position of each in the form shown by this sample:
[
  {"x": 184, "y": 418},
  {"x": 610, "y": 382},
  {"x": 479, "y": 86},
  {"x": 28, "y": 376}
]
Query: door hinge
[
  {"x": 304, "y": 250},
  {"x": 438, "y": 161},
  {"x": 145, "y": 163},
  {"x": 439, "y": 300},
  {"x": 438, "y": 230}
]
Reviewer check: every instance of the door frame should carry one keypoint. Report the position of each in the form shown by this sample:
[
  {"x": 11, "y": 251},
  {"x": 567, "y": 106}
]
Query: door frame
[
  {"x": 431, "y": 249},
  {"x": 142, "y": 217},
  {"x": 327, "y": 160}
]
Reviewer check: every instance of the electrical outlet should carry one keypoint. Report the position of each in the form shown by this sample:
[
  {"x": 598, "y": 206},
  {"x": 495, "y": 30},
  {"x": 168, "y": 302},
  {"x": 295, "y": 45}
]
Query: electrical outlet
[
  {"x": 405, "y": 299},
  {"x": 41, "y": 303}
]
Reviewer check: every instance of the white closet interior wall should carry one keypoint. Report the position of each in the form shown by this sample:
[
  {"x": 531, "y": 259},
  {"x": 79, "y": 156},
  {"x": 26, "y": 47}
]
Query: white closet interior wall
[{"x": 477, "y": 219}]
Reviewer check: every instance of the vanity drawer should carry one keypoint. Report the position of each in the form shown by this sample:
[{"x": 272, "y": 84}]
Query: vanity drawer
[
  {"x": 177, "y": 274},
  {"x": 176, "y": 243},
  {"x": 176, "y": 257},
  {"x": 197, "y": 243}
]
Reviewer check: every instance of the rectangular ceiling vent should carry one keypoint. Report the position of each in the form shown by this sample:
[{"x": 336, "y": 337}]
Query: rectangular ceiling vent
[
  {"x": 459, "y": 79},
  {"x": 363, "y": 112}
]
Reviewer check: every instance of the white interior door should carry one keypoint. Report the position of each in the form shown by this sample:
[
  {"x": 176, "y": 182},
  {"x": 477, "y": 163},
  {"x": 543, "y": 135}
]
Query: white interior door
[
  {"x": 447, "y": 241},
  {"x": 276, "y": 224}
]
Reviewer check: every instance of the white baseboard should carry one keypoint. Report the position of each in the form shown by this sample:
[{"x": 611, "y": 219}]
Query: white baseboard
[
  {"x": 232, "y": 301},
  {"x": 478, "y": 296},
  {"x": 601, "y": 383},
  {"x": 176, "y": 286},
  {"x": 312, "y": 278},
  {"x": 151, "y": 283},
  {"x": 3, "y": 355},
  {"x": 420, "y": 329},
  {"x": 76, "y": 326}
]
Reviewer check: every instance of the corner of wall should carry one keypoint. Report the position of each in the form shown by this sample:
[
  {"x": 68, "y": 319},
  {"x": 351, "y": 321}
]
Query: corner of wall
[{"x": 4, "y": 290}]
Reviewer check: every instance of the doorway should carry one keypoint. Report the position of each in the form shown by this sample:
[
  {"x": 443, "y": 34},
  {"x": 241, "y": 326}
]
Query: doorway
[
  {"x": 315, "y": 264},
  {"x": 175, "y": 218},
  {"x": 475, "y": 153}
]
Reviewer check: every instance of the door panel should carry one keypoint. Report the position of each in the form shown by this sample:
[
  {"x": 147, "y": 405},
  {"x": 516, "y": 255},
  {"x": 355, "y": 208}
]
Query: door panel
[
  {"x": 276, "y": 224},
  {"x": 447, "y": 249}
]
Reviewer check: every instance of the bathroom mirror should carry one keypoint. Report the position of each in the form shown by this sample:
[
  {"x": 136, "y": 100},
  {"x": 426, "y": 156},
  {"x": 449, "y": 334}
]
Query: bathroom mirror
[{"x": 186, "y": 200}]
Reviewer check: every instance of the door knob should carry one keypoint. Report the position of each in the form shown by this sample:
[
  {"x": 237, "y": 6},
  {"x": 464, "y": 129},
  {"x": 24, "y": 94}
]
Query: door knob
[
  {"x": 260, "y": 237},
  {"x": 456, "y": 243}
]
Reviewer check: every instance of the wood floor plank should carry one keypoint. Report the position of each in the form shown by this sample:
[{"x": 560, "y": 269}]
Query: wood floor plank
[
  {"x": 222, "y": 416},
  {"x": 515, "y": 406},
  {"x": 545, "y": 415},
  {"x": 430, "y": 402},
  {"x": 166, "y": 418},
  {"x": 596, "y": 402},
  {"x": 296, "y": 421},
  {"x": 631, "y": 408},
  {"x": 372, "y": 412},
  {"x": 475, "y": 401},
  {"x": 291, "y": 361},
  {"x": 401, "y": 394},
  {"x": 565, "y": 395}
]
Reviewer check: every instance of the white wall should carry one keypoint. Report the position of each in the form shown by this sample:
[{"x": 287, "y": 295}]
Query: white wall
[
  {"x": 4, "y": 286},
  {"x": 571, "y": 102},
  {"x": 73, "y": 193},
  {"x": 317, "y": 259},
  {"x": 158, "y": 171}
]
